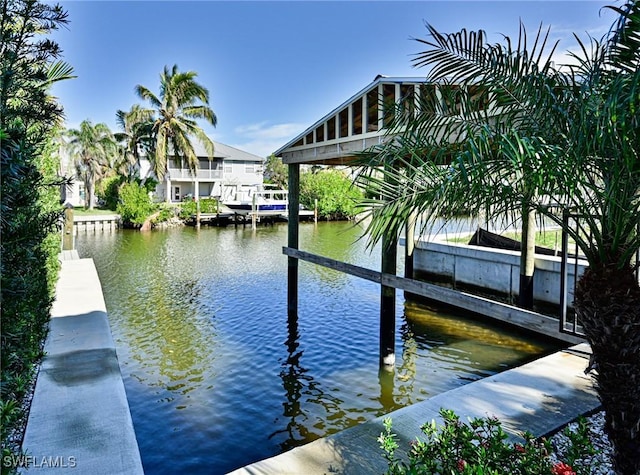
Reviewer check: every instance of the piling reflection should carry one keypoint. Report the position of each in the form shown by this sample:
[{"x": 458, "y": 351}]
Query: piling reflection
[{"x": 296, "y": 383}]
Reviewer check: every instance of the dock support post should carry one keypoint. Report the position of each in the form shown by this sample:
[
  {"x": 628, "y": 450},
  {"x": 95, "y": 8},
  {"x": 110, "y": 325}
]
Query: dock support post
[
  {"x": 388, "y": 294},
  {"x": 293, "y": 238},
  {"x": 410, "y": 244},
  {"x": 388, "y": 306},
  {"x": 254, "y": 212},
  {"x": 67, "y": 230}
]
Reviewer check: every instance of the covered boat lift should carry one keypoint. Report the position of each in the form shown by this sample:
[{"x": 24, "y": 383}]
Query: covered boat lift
[{"x": 356, "y": 125}]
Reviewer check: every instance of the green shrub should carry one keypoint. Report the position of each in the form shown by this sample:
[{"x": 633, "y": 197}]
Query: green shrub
[
  {"x": 336, "y": 195},
  {"x": 208, "y": 205},
  {"x": 187, "y": 208},
  {"x": 108, "y": 191},
  {"x": 165, "y": 214},
  {"x": 480, "y": 447},
  {"x": 134, "y": 204}
]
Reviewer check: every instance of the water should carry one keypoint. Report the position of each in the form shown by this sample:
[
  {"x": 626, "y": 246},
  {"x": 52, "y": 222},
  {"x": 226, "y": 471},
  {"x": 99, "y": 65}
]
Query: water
[{"x": 218, "y": 377}]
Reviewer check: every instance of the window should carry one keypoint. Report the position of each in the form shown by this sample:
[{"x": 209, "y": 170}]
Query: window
[
  {"x": 407, "y": 100},
  {"x": 356, "y": 108},
  {"x": 176, "y": 193},
  {"x": 343, "y": 122},
  {"x": 309, "y": 138},
  {"x": 228, "y": 168},
  {"x": 389, "y": 103},
  {"x": 320, "y": 133},
  {"x": 299, "y": 143},
  {"x": 372, "y": 110},
  {"x": 249, "y": 167},
  {"x": 331, "y": 128}
]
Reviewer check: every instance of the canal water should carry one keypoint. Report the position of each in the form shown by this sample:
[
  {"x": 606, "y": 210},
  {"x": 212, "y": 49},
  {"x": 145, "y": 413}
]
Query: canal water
[{"x": 218, "y": 377}]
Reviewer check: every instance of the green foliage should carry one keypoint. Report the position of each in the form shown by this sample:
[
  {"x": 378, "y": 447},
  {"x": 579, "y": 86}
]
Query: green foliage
[
  {"x": 187, "y": 208},
  {"x": 165, "y": 214},
  {"x": 477, "y": 447},
  {"x": 276, "y": 172},
  {"x": 29, "y": 197},
  {"x": 134, "y": 204},
  {"x": 336, "y": 195},
  {"x": 108, "y": 191},
  {"x": 208, "y": 205}
]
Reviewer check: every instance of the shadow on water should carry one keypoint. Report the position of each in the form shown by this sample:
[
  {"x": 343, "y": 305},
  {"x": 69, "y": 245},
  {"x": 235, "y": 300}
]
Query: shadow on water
[{"x": 218, "y": 376}]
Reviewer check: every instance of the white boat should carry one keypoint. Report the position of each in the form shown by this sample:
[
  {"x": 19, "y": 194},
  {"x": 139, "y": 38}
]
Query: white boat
[{"x": 260, "y": 198}]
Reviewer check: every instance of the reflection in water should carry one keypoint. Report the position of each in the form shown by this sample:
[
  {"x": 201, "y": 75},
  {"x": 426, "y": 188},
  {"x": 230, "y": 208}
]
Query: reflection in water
[
  {"x": 295, "y": 382},
  {"x": 199, "y": 318}
]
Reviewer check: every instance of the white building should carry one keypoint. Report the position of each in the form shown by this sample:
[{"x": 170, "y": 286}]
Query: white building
[{"x": 229, "y": 168}]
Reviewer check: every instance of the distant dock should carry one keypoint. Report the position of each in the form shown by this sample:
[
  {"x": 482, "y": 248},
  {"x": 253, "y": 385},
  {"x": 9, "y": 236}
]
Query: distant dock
[
  {"x": 227, "y": 217},
  {"x": 101, "y": 221}
]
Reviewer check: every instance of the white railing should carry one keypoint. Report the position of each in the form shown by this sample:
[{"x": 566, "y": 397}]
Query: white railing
[{"x": 185, "y": 173}]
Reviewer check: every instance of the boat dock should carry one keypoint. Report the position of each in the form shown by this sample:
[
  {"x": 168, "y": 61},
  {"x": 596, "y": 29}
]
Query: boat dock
[
  {"x": 226, "y": 217},
  {"x": 100, "y": 221}
]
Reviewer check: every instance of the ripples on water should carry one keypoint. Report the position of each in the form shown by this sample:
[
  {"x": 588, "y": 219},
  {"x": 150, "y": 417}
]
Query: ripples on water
[{"x": 218, "y": 376}]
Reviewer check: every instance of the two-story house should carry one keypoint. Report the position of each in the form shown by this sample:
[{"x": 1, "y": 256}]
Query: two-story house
[{"x": 229, "y": 168}]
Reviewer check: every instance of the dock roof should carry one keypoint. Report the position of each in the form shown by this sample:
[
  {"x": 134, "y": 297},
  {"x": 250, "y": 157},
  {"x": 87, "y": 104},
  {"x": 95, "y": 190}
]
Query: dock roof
[{"x": 356, "y": 124}]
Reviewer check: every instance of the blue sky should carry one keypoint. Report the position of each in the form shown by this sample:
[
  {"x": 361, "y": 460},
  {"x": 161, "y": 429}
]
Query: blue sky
[{"x": 273, "y": 68}]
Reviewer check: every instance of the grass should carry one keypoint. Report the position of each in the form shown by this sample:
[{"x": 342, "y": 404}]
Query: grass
[{"x": 81, "y": 211}]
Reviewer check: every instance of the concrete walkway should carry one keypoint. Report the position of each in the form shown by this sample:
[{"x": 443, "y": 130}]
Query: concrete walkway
[
  {"x": 79, "y": 420},
  {"x": 539, "y": 397}
]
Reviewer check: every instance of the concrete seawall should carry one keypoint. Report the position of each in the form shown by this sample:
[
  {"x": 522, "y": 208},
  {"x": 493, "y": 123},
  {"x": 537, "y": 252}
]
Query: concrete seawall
[
  {"x": 495, "y": 270},
  {"x": 80, "y": 420}
]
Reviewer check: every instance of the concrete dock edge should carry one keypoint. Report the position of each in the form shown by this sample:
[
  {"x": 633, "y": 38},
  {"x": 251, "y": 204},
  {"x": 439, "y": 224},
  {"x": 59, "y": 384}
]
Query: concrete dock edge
[{"x": 79, "y": 419}]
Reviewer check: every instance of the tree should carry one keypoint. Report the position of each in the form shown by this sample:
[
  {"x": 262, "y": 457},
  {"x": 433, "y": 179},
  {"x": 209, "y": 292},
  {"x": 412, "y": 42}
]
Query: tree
[
  {"x": 134, "y": 204},
  {"x": 565, "y": 136},
  {"x": 180, "y": 102},
  {"x": 93, "y": 150},
  {"x": 29, "y": 208},
  {"x": 135, "y": 139},
  {"x": 335, "y": 193},
  {"x": 276, "y": 172}
]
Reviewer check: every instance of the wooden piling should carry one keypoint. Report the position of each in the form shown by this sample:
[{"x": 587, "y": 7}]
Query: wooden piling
[
  {"x": 388, "y": 306},
  {"x": 293, "y": 238},
  {"x": 67, "y": 230}
]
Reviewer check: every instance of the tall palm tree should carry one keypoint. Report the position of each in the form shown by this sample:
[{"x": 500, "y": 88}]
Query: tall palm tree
[
  {"x": 569, "y": 136},
  {"x": 93, "y": 149},
  {"x": 135, "y": 138},
  {"x": 180, "y": 102}
]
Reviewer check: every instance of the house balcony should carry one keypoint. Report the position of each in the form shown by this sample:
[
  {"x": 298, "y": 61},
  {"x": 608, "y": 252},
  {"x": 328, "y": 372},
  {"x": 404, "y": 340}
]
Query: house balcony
[{"x": 185, "y": 174}]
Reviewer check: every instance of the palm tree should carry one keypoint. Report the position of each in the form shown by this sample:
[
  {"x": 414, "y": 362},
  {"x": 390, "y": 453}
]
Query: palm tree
[
  {"x": 569, "y": 136},
  {"x": 180, "y": 102},
  {"x": 135, "y": 139},
  {"x": 92, "y": 148}
]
